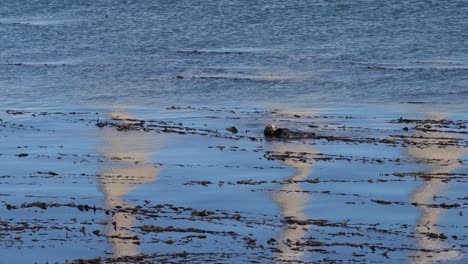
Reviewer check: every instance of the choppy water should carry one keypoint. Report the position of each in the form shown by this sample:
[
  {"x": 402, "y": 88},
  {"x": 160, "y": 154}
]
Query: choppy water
[{"x": 55, "y": 53}]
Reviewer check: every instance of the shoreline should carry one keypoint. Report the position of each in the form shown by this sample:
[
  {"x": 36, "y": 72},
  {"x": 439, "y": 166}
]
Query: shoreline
[{"x": 370, "y": 186}]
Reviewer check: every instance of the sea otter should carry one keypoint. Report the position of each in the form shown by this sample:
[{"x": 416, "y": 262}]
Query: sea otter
[{"x": 271, "y": 131}]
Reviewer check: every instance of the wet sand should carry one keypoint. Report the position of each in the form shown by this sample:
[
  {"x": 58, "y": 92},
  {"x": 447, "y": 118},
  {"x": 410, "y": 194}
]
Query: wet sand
[{"x": 126, "y": 185}]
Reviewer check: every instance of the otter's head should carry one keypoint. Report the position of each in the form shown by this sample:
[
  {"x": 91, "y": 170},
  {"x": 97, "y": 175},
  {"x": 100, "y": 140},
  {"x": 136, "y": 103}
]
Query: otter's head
[{"x": 269, "y": 130}]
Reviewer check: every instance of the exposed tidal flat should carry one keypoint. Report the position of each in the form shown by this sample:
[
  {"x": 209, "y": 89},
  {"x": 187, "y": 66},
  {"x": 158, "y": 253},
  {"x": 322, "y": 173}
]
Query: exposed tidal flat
[{"x": 179, "y": 184}]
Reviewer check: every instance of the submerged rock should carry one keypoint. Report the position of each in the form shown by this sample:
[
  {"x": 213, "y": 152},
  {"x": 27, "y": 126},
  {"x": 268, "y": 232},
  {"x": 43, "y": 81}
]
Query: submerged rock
[{"x": 273, "y": 131}]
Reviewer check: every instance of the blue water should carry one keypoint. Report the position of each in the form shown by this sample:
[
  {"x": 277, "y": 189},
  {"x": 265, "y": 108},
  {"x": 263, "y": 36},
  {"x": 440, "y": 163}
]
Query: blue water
[{"x": 236, "y": 52}]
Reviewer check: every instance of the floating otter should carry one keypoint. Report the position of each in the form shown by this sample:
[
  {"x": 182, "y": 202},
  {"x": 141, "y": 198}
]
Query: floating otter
[{"x": 272, "y": 131}]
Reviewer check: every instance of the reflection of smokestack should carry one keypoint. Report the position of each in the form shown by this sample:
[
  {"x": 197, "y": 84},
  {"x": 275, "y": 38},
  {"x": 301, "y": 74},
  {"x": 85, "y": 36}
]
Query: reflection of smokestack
[
  {"x": 129, "y": 157},
  {"x": 291, "y": 202},
  {"x": 425, "y": 194}
]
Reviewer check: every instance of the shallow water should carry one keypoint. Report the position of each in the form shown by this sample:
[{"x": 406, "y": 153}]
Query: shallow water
[
  {"x": 356, "y": 198},
  {"x": 232, "y": 53}
]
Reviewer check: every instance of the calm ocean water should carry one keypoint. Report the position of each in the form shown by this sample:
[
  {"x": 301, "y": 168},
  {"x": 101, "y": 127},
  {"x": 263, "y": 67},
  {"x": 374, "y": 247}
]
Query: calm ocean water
[{"x": 236, "y": 52}]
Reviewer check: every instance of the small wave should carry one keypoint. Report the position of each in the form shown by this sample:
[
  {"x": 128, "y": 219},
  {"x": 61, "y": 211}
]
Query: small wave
[
  {"x": 417, "y": 102},
  {"x": 39, "y": 22},
  {"x": 210, "y": 52},
  {"x": 441, "y": 62},
  {"x": 460, "y": 93},
  {"x": 227, "y": 74},
  {"x": 419, "y": 65},
  {"x": 236, "y": 78},
  {"x": 413, "y": 68},
  {"x": 33, "y": 64},
  {"x": 258, "y": 78},
  {"x": 238, "y": 51}
]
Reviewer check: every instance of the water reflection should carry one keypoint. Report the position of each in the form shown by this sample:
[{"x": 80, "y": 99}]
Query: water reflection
[
  {"x": 127, "y": 163},
  {"x": 426, "y": 193},
  {"x": 290, "y": 198}
]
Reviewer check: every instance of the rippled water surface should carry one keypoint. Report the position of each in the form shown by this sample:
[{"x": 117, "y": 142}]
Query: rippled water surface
[{"x": 302, "y": 53}]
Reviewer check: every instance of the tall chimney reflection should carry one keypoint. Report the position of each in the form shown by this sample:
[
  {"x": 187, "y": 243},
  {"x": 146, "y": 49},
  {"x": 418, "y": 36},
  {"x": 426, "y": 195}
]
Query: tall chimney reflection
[
  {"x": 432, "y": 188},
  {"x": 127, "y": 163}
]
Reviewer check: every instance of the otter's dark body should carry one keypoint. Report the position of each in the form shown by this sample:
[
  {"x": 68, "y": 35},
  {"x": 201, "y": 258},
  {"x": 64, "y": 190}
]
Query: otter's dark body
[{"x": 273, "y": 132}]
